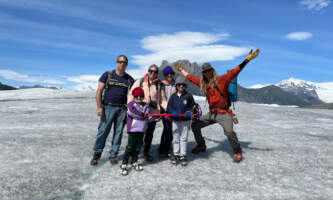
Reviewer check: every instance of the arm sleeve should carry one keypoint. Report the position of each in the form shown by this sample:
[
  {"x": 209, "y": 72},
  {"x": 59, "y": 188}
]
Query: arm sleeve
[
  {"x": 147, "y": 111},
  {"x": 193, "y": 79},
  {"x": 134, "y": 112},
  {"x": 170, "y": 105},
  {"x": 242, "y": 65},
  {"x": 232, "y": 74},
  {"x": 104, "y": 77}
]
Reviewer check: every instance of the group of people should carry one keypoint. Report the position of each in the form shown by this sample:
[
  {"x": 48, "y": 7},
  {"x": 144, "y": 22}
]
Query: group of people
[{"x": 142, "y": 103}]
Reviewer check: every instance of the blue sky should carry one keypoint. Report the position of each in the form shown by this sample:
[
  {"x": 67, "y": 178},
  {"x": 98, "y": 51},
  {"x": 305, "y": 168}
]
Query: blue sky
[{"x": 70, "y": 43}]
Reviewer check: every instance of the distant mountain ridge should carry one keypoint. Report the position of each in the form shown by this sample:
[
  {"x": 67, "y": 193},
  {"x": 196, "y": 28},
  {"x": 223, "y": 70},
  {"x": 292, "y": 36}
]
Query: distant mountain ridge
[
  {"x": 38, "y": 86},
  {"x": 270, "y": 95},
  {"x": 311, "y": 92},
  {"x": 6, "y": 87},
  {"x": 288, "y": 92}
]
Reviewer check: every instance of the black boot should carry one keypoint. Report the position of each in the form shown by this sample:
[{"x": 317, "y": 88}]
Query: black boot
[
  {"x": 183, "y": 160},
  {"x": 174, "y": 159},
  {"x": 148, "y": 157},
  {"x": 96, "y": 157},
  {"x": 113, "y": 160}
]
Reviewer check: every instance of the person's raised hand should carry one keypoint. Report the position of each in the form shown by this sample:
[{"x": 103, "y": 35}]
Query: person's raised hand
[
  {"x": 252, "y": 54},
  {"x": 179, "y": 67}
]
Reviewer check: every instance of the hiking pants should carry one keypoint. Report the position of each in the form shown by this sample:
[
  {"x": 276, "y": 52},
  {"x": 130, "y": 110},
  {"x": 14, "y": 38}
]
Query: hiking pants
[
  {"x": 166, "y": 138},
  {"x": 180, "y": 135},
  {"x": 225, "y": 120},
  {"x": 115, "y": 115},
  {"x": 134, "y": 144},
  {"x": 148, "y": 138}
]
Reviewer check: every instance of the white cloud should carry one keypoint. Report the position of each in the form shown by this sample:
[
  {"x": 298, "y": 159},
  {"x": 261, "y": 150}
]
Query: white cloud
[
  {"x": 194, "y": 46},
  {"x": 84, "y": 82},
  {"x": 299, "y": 36},
  {"x": 315, "y": 5},
  {"x": 11, "y": 75}
]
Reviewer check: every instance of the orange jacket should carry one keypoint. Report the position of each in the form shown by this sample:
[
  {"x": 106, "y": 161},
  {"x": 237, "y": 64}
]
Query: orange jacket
[{"x": 213, "y": 96}]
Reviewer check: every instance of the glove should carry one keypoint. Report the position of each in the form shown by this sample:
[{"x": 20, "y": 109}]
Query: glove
[
  {"x": 168, "y": 118},
  {"x": 188, "y": 114},
  {"x": 252, "y": 55},
  {"x": 175, "y": 114},
  {"x": 179, "y": 67}
]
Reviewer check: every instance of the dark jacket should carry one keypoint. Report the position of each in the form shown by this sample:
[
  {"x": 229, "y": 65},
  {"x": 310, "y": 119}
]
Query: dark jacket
[{"x": 180, "y": 104}]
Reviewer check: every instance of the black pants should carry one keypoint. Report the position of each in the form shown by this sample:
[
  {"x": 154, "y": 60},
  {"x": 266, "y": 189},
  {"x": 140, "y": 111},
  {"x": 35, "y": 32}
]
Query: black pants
[
  {"x": 149, "y": 136},
  {"x": 166, "y": 138},
  {"x": 134, "y": 144}
]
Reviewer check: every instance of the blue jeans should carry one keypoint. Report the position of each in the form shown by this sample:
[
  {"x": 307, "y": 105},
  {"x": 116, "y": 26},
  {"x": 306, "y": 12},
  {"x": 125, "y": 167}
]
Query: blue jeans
[{"x": 115, "y": 115}]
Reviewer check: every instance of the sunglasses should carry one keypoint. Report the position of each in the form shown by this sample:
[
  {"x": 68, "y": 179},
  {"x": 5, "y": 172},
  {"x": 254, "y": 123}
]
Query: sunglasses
[
  {"x": 153, "y": 71},
  {"x": 181, "y": 84},
  {"x": 209, "y": 70},
  {"x": 122, "y": 62},
  {"x": 139, "y": 97}
]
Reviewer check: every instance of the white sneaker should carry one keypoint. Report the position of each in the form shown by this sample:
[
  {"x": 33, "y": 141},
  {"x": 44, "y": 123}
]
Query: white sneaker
[
  {"x": 174, "y": 159},
  {"x": 137, "y": 166},
  {"x": 123, "y": 169}
]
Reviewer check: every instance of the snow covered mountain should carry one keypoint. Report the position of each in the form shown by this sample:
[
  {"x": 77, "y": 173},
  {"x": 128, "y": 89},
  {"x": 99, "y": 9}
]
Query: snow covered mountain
[
  {"x": 270, "y": 95},
  {"x": 308, "y": 90},
  {"x": 192, "y": 68}
]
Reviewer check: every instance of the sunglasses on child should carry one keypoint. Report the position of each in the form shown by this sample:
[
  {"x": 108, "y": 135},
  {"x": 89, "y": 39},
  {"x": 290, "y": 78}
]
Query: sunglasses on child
[
  {"x": 139, "y": 97},
  {"x": 181, "y": 85},
  {"x": 122, "y": 62},
  {"x": 153, "y": 71}
]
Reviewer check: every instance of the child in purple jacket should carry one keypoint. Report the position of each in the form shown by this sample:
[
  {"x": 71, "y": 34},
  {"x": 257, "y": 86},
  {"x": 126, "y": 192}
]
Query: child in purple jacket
[{"x": 137, "y": 123}]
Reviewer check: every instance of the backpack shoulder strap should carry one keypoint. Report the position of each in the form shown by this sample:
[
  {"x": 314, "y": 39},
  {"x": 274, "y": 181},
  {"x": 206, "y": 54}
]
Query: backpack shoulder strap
[
  {"x": 222, "y": 95},
  {"x": 108, "y": 78},
  {"x": 141, "y": 82}
]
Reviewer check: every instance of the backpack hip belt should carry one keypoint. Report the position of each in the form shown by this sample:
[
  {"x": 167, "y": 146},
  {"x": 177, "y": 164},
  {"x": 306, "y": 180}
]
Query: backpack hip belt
[{"x": 216, "y": 109}]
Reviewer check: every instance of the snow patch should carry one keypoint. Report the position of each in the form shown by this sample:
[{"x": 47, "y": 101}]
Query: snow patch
[
  {"x": 258, "y": 86},
  {"x": 274, "y": 105},
  {"x": 42, "y": 93}
]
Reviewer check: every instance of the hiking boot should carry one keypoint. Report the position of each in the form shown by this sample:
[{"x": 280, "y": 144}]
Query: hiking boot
[
  {"x": 183, "y": 160},
  {"x": 123, "y": 166},
  {"x": 199, "y": 148},
  {"x": 148, "y": 157},
  {"x": 96, "y": 157},
  {"x": 174, "y": 159},
  {"x": 123, "y": 169},
  {"x": 137, "y": 166},
  {"x": 238, "y": 157},
  {"x": 113, "y": 160},
  {"x": 162, "y": 155}
]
